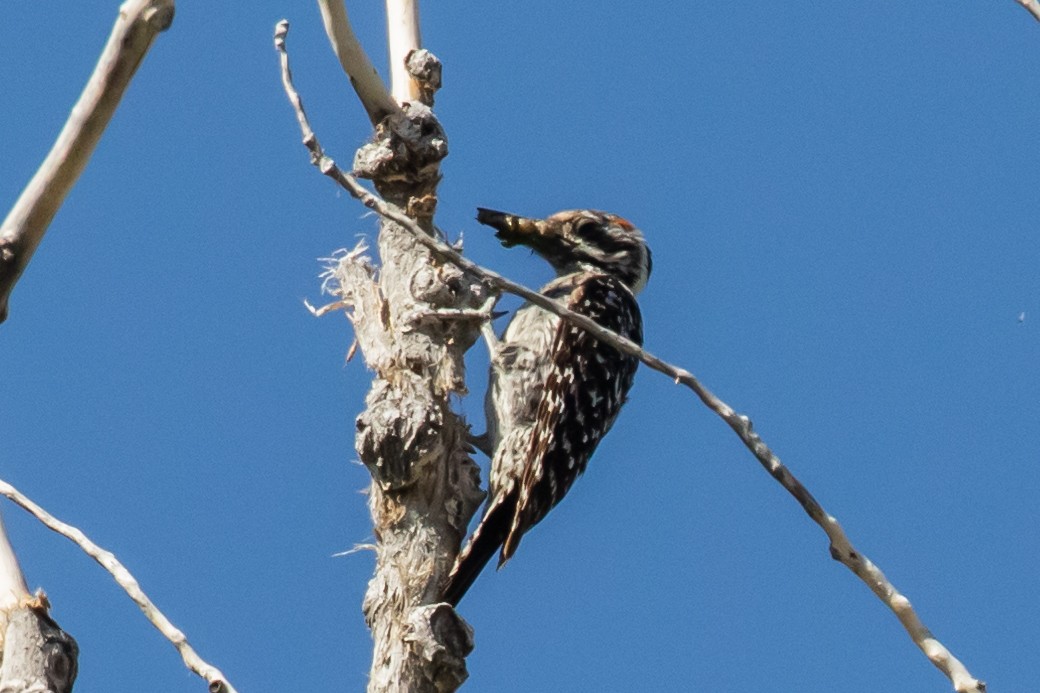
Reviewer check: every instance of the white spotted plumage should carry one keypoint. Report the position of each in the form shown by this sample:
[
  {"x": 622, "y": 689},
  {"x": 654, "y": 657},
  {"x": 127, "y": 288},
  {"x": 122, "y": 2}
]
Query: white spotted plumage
[{"x": 554, "y": 390}]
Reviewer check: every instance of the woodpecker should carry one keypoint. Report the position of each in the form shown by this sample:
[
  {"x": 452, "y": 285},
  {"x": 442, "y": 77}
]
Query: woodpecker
[{"x": 554, "y": 391}]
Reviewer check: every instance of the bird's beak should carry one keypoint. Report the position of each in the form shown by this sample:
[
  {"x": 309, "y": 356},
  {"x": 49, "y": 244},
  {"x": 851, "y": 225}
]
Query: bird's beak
[{"x": 512, "y": 229}]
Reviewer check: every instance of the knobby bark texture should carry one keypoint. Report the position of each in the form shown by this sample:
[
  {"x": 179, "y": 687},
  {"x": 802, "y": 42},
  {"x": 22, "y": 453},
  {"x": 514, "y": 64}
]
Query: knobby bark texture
[{"x": 424, "y": 487}]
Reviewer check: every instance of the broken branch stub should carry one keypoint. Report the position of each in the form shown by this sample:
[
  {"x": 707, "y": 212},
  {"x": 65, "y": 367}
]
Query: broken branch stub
[
  {"x": 38, "y": 655},
  {"x": 425, "y": 70}
]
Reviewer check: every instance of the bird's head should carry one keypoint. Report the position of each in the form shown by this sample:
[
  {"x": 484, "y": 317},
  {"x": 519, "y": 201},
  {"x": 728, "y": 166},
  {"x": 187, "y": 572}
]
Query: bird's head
[{"x": 579, "y": 240}]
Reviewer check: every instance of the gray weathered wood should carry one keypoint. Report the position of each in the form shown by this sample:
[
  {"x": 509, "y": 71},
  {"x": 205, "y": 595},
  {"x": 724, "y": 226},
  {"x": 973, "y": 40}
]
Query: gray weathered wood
[
  {"x": 425, "y": 487},
  {"x": 38, "y": 656}
]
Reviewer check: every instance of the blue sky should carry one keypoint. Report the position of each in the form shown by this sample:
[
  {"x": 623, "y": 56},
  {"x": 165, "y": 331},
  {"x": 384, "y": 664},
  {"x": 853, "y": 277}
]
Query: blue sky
[{"x": 842, "y": 204}]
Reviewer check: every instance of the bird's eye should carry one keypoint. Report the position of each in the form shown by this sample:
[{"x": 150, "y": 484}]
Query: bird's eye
[{"x": 586, "y": 228}]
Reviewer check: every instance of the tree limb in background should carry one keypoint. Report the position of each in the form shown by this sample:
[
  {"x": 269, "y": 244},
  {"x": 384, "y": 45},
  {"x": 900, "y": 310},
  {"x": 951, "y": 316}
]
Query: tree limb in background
[
  {"x": 212, "y": 675},
  {"x": 841, "y": 548},
  {"x": 425, "y": 487},
  {"x": 1031, "y": 6},
  {"x": 139, "y": 22},
  {"x": 363, "y": 76}
]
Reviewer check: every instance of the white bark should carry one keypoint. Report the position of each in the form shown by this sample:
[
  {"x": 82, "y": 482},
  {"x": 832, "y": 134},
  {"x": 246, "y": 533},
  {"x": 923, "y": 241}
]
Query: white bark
[
  {"x": 403, "y": 37},
  {"x": 139, "y": 22},
  {"x": 13, "y": 590},
  {"x": 37, "y": 654},
  {"x": 352, "y": 58}
]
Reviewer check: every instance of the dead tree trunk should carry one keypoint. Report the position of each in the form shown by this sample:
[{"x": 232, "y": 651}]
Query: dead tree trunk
[{"x": 425, "y": 487}]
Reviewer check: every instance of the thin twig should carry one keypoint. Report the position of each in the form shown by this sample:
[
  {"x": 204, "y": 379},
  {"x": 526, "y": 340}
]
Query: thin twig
[
  {"x": 841, "y": 548},
  {"x": 212, "y": 675},
  {"x": 1031, "y": 6},
  {"x": 139, "y": 22},
  {"x": 352, "y": 57}
]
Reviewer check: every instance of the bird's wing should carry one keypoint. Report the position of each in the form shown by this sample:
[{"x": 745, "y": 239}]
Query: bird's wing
[{"x": 583, "y": 394}]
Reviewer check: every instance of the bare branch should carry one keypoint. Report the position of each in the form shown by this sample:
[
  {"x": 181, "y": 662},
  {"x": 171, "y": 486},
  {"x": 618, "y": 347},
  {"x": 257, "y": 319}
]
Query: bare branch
[
  {"x": 13, "y": 589},
  {"x": 212, "y": 675},
  {"x": 136, "y": 27},
  {"x": 363, "y": 76},
  {"x": 1031, "y": 6},
  {"x": 402, "y": 28},
  {"x": 841, "y": 548}
]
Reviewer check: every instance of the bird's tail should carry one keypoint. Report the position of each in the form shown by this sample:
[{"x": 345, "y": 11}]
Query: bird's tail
[{"x": 486, "y": 540}]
